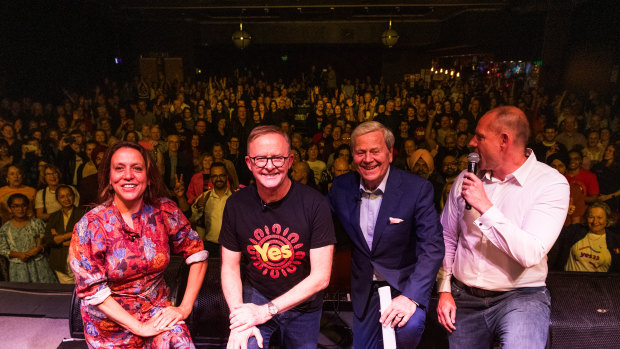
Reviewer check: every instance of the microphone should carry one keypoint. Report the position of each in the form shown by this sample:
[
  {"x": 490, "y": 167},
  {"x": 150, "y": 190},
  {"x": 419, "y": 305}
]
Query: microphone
[{"x": 472, "y": 167}]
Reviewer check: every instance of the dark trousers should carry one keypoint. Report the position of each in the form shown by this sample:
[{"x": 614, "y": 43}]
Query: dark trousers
[{"x": 367, "y": 330}]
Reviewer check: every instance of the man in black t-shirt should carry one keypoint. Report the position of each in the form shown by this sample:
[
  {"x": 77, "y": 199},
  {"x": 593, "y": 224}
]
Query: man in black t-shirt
[{"x": 285, "y": 232}]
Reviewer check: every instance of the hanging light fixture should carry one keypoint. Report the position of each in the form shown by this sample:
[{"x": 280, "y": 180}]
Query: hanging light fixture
[
  {"x": 389, "y": 37},
  {"x": 241, "y": 38}
]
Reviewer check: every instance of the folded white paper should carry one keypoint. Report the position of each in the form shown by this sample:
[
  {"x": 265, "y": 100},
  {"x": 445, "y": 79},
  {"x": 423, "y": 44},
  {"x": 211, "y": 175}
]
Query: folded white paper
[{"x": 385, "y": 299}]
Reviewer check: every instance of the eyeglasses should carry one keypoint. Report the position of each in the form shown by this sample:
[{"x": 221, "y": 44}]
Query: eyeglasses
[{"x": 261, "y": 161}]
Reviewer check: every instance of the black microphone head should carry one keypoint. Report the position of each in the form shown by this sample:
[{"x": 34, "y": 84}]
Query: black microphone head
[{"x": 473, "y": 157}]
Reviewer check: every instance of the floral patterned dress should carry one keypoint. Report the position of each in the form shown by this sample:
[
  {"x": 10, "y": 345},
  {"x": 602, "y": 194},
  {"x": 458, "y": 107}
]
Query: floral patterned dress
[
  {"x": 21, "y": 239},
  {"x": 109, "y": 258}
]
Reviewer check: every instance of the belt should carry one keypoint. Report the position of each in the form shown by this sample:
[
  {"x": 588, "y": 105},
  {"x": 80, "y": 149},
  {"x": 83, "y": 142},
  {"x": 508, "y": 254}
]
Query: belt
[
  {"x": 378, "y": 284},
  {"x": 475, "y": 291}
]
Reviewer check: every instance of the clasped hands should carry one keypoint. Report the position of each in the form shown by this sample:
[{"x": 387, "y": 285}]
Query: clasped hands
[
  {"x": 163, "y": 321},
  {"x": 243, "y": 320},
  {"x": 398, "y": 312},
  {"x": 26, "y": 255}
]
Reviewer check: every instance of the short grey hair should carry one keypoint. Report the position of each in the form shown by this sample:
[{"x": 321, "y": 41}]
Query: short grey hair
[
  {"x": 259, "y": 131},
  {"x": 602, "y": 205},
  {"x": 372, "y": 126}
]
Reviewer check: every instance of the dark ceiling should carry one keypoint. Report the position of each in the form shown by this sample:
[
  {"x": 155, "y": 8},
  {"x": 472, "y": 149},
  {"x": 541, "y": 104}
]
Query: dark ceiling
[
  {"x": 283, "y": 22},
  {"x": 209, "y": 11}
]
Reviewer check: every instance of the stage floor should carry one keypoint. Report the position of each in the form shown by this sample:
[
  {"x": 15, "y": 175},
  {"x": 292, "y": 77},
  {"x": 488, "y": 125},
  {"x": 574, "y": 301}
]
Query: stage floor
[
  {"x": 46, "y": 333},
  {"x": 32, "y": 333}
]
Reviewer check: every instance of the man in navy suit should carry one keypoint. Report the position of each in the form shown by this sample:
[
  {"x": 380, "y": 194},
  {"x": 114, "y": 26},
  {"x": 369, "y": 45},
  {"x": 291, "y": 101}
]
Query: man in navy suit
[{"x": 397, "y": 239}]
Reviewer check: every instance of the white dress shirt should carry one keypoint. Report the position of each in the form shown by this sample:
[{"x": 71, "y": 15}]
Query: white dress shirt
[
  {"x": 369, "y": 211},
  {"x": 505, "y": 248}
]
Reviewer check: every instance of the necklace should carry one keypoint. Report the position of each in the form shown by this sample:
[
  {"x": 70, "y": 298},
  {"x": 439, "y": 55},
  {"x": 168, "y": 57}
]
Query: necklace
[{"x": 596, "y": 240}]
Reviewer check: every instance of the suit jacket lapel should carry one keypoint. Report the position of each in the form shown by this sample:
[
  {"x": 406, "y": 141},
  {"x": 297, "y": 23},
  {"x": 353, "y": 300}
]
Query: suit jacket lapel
[{"x": 389, "y": 203}]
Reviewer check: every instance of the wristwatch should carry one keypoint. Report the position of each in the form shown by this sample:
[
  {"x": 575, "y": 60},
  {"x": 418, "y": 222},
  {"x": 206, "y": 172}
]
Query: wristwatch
[{"x": 273, "y": 310}]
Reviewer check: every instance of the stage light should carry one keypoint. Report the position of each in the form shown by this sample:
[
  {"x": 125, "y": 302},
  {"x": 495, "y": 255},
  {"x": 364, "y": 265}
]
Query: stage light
[
  {"x": 389, "y": 37},
  {"x": 241, "y": 38}
]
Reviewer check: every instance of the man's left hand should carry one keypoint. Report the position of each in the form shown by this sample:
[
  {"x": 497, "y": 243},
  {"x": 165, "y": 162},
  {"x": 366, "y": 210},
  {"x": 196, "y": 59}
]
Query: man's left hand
[
  {"x": 246, "y": 315},
  {"x": 398, "y": 312},
  {"x": 474, "y": 193}
]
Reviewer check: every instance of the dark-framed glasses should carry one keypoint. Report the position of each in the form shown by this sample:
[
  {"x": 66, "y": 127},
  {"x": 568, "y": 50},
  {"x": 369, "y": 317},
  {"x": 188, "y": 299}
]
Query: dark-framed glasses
[{"x": 261, "y": 161}]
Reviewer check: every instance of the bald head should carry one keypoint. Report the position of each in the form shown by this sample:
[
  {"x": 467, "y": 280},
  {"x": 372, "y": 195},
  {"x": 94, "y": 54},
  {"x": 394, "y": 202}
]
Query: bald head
[
  {"x": 300, "y": 172},
  {"x": 510, "y": 120},
  {"x": 340, "y": 167}
]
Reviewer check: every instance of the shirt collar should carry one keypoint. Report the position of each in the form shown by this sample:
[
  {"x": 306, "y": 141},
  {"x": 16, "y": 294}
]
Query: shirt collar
[
  {"x": 226, "y": 193},
  {"x": 380, "y": 189},
  {"x": 68, "y": 214},
  {"x": 520, "y": 174}
]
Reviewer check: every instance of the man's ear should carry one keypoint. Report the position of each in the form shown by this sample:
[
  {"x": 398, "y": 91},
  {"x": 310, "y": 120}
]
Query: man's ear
[{"x": 504, "y": 138}]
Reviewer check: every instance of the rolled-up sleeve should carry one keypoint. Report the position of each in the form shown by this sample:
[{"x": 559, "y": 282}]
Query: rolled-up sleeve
[
  {"x": 185, "y": 240},
  {"x": 87, "y": 260}
]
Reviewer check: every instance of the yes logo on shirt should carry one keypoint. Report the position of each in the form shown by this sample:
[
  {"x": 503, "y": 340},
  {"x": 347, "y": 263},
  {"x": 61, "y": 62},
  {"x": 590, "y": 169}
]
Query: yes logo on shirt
[{"x": 275, "y": 251}]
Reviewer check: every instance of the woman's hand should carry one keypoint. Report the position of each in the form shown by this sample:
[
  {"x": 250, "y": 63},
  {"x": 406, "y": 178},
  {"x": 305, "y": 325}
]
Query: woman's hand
[
  {"x": 34, "y": 251},
  {"x": 147, "y": 329},
  {"x": 168, "y": 317},
  {"x": 22, "y": 256}
]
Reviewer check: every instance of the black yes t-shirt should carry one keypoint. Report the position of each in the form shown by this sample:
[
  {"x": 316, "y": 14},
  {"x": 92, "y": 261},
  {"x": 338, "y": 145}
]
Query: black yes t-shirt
[{"x": 276, "y": 238}]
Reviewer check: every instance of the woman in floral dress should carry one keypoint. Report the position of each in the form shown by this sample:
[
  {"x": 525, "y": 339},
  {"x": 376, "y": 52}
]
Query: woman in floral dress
[
  {"x": 21, "y": 242},
  {"x": 120, "y": 250}
]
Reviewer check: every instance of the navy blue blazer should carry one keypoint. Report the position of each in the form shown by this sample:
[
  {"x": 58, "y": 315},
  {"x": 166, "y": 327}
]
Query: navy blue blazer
[{"x": 407, "y": 254}]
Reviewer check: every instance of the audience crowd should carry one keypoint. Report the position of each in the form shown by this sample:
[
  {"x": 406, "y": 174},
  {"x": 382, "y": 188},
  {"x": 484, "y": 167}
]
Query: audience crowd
[{"x": 196, "y": 132}]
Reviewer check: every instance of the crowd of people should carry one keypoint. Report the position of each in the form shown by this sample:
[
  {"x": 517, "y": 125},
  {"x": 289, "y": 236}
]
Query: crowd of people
[
  {"x": 195, "y": 133},
  {"x": 187, "y": 127}
]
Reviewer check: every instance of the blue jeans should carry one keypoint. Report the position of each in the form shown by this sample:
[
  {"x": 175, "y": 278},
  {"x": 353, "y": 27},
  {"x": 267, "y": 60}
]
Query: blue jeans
[
  {"x": 297, "y": 329},
  {"x": 367, "y": 330},
  {"x": 519, "y": 318}
]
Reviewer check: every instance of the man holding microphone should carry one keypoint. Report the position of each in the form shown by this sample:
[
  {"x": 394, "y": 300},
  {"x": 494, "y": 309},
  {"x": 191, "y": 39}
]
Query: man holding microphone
[{"x": 495, "y": 264}]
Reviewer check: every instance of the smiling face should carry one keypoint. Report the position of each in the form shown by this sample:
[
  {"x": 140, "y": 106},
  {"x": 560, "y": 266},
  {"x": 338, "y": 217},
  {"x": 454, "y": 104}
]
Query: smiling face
[
  {"x": 52, "y": 177},
  {"x": 65, "y": 197},
  {"x": 128, "y": 176},
  {"x": 597, "y": 220},
  {"x": 269, "y": 177},
  {"x": 372, "y": 157},
  {"x": 219, "y": 177},
  {"x": 19, "y": 208},
  {"x": 218, "y": 152}
]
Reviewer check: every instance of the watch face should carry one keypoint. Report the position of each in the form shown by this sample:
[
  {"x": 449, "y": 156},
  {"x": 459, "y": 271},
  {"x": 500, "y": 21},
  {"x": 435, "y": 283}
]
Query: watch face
[{"x": 273, "y": 310}]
